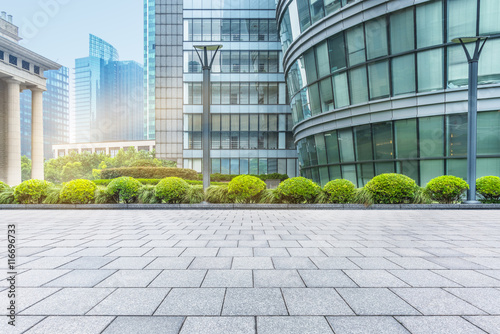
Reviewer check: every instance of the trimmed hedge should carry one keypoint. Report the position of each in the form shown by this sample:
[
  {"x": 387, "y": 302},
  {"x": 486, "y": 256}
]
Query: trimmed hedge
[
  {"x": 31, "y": 191},
  {"x": 78, "y": 192},
  {"x": 298, "y": 190},
  {"x": 228, "y": 177},
  {"x": 171, "y": 189},
  {"x": 245, "y": 187},
  {"x": 124, "y": 189},
  {"x": 446, "y": 189},
  {"x": 391, "y": 188},
  {"x": 340, "y": 191},
  {"x": 154, "y": 182},
  {"x": 488, "y": 187},
  {"x": 149, "y": 173}
]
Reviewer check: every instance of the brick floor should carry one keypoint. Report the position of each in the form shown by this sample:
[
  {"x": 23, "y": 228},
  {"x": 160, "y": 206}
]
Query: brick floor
[{"x": 223, "y": 271}]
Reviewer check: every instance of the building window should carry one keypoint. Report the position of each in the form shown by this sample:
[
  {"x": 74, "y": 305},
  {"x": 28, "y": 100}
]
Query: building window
[
  {"x": 26, "y": 65},
  {"x": 37, "y": 70},
  {"x": 113, "y": 151},
  {"x": 1, "y": 55},
  {"x": 13, "y": 60}
]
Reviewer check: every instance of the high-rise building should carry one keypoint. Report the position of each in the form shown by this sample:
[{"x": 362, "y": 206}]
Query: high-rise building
[
  {"x": 251, "y": 122},
  {"x": 149, "y": 69},
  {"x": 55, "y": 113},
  {"x": 108, "y": 96},
  {"x": 378, "y": 86}
]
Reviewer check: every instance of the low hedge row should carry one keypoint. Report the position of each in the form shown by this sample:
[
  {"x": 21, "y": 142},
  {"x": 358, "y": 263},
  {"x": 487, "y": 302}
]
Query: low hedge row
[
  {"x": 149, "y": 173},
  {"x": 217, "y": 177},
  {"x": 384, "y": 189},
  {"x": 154, "y": 182}
]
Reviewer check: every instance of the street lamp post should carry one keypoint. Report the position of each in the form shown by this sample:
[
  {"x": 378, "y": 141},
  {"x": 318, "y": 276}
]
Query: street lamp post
[
  {"x": 472, "y": 112},
  {"x": 206, "y": 66}
]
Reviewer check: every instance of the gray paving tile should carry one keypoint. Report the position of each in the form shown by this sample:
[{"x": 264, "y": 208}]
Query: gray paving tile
[
  {"x": 88, "y": 262},
  {"x": 438, "y": 325},
  {"x": 21, "y": 325},
  {"x": 211, "y": 263},
  {"x": 469, "y": 278},
  {"x": 59, "y": 251},
  {"x": 455, "y": 263},
  {"x": 333, "y": 263},
  {"x": 145, "y": 325},
  {"x": 94, "y": 251},
  {"x": 423, "y": 279},
  {"x": 491, "y": 273},
  {"x": 170, "y": 263},
  {"x": 71, "y": 325},
  {"x": 36, "y": 278},
  {"x": 25, "y": 297},
  {"x": 374, "y": 279},
  {"x": 254, "y": 301},
  {"x": 235, "y": 252},
  {"x": 48, "y": 262},
  {"x": 374, "y": 263},
  {"x": 200, "y": 252},
  {"x": 306, "y": 252},
  {"x": 375, "y": 301},
  {"x": 253, "y": 243},
  {"x": 434, "y": 301},
  {"x": 490, "y": 324},
  {"x": 186, "y": 301},
  {"x": 340, "y": 251},
  {"x": 179, "y": 279},
  {"x": 129, "y": 279},
  {"x": 252, "y": 263},
  {"x": 277, "y": 279},
  {"x": 228, "y": 279},
  {"x": 315, "y": 301},
  {"x": 414, "y": 263},
  {"x": 130, "y": 301},
  {"x": 130, "y": 251},
  {"x": 366, "y": 325},
  {"x": 162, "y": 251},
  {"x": 222, "y": 243},
  {"x": 488, "y": 262},
  {"x": 270, "y": 252},
  {"x": 69, "y": 301},
  {"x": 293, "y": 325},
  {"x": 326, "y": 279},
  {"x": 219, "y": 325},
  {"x": 81, "y": 278},
  {"x": 375, "y": 252},
  {"x": 293, "y": 263},
  {"x": 486, "y": 299}
]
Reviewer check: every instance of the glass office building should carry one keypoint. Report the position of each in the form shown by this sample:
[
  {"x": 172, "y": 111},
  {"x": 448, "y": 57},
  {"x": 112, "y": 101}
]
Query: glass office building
[
  {"x": 378, "y": 87},
  {"x": 55, "y": 113},
  {"x": 109, "y": 102},
  {"x": 149, "y": 69},
  {"x": 251, "y": 120}
]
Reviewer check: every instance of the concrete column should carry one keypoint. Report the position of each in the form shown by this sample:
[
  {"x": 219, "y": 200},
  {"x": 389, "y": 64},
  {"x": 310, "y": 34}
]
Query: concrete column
[
  {"x": 13, "y": 137},
  {"x": 37, "y": 134}
]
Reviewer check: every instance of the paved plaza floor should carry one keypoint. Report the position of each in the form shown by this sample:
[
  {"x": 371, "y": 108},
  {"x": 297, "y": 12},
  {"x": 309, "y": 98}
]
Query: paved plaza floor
[{"x": 255, "y": 271}]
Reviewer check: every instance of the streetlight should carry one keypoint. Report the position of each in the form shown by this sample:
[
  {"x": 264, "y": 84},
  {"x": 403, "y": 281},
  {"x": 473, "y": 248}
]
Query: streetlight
[
  {"x": 206, "y": 107},
  {"x": 472, "y": 114}
]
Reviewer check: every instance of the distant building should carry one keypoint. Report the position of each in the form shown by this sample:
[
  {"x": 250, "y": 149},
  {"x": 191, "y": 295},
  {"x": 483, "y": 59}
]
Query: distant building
[
  {"x": 149, "y": 68},
  {"x": 108, "y": 96},
  {"x": 55, "y": 113},
  {"x": 108, "y": 147}
]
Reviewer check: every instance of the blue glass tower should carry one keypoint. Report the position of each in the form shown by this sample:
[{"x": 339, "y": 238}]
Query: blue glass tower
[
  {"x": 55, "y": 113},
  {"x": 149, "y": 69}
]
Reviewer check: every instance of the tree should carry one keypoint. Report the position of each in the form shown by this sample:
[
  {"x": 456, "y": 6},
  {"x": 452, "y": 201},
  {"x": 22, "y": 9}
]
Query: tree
[{"x": 25, "y": 168}]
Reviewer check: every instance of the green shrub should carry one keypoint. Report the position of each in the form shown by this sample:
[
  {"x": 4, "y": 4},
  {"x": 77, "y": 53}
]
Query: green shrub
[
  {"x": 147, "y": 195},
  {"x": 340, "y": 191},
  {"x": 149, "y": 173},
  {"x": 7, "y": 196},
  {"x": 78, "y": 192},
  {"x": 244, "y": 188},
  {"x": 171, "y": 189},
  {"x": 298, "y": 190},
  {"x": 31, "y": 191},
  {"x": 446, "y": 189},
  {"x": 218, "y": 194},
  {"x": 269, "y": 196},
  {"x": 3, "y": 185},
  {"x": 102, "y": 196},
  {"x": 194, "y": 195},
  {"x": 124, "y": 189},
  {"x": 146, "y": 163},
  {"x": 53, "y": 192},
  {"x": 488, "y": 187},
  {"x": 391, "y": 188}
]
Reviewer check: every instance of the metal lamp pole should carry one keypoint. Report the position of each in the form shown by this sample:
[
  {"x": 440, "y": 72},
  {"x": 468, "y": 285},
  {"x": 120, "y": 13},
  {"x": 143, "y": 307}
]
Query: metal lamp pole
[
  {"x": 472, "y": 114},
  {"x": 206, "y": 66}
]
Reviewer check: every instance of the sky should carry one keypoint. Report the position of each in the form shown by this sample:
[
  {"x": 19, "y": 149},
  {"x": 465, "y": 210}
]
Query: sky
[{"x": 59, "y": 29}]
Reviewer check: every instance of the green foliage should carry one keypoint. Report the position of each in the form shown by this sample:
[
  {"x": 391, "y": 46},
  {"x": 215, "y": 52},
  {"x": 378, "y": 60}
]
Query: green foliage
[
  {"x": 446, "y": 189},
  {"x": 124, "y": 189},
  {"x": 31, "y": 192},
  {"x": 147, "y": 163},
  {"x": 102, "y": 196},
  {"x": 72, "y": 171},
  {"x": 217, "y": 194},
  {"x": 154, "y": 182},
  {"x": 149, "y": 173},
  {"x": 53, "y": 192},
  {"x": 78, "y": 192},
  {"x": 3, "y": 185},
  {"x": 194, "y": 195},
  {"x": 245, "y": 188},
  {"x": 147, "y": 195},
  {"x": 171, "y": 189},
  {"x": 25, "y": 168},
  {"x": 7, "y": 195},
  {"x": 228, "y": 177},
  {"x": 298, "y": 190},
  {"x": 269, "y": 196},
  {"x": 363, "y": 196},
  {"x": 488, "y": 187},
  {"x": 340, "y": 191},
  {"x": 391, "y": 188}
]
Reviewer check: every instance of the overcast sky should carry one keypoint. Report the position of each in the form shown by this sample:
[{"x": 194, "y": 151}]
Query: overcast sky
[{"x": 59, "y": 29}]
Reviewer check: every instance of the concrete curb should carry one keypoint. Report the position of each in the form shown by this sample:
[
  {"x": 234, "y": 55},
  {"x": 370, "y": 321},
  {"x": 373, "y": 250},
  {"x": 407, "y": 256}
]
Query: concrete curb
[{"x": 210, "y": 206}]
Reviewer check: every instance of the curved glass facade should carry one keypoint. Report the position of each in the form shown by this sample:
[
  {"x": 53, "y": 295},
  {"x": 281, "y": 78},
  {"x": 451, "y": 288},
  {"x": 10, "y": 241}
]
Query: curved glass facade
[{"x": 400, "y": 55}]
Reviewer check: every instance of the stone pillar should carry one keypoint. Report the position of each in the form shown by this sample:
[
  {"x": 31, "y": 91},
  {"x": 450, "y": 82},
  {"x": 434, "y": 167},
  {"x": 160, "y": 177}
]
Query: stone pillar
[
  {"x": 37, "y": 134},
  {"x": 13, "y": 138}
]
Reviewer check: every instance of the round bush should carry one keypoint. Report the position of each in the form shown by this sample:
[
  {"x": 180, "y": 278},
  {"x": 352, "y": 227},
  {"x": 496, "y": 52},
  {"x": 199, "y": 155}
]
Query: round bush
[
  {"x": 31, "y": 191},
  {"x": 245, "y": 187},
  {"x": 340, "y": 191},
  {"x": 171, "y": 189},
  {"x": 124, "y": 189},
  {"x": 446, "y": 189},
  {"x": 489, "y": 188},
  {"x": 78, "y": 192},
  {"x": 3, "y": 186},
  {"x": 391, "y": 188},
  {"x": 298, "y": 190}
]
